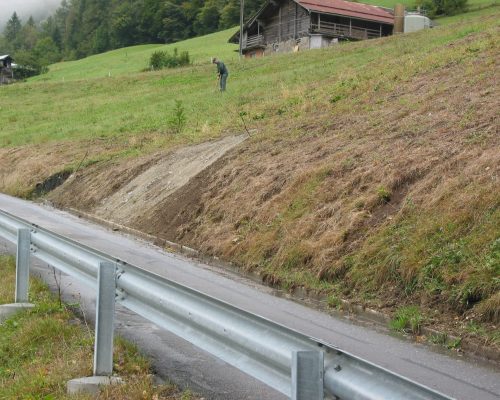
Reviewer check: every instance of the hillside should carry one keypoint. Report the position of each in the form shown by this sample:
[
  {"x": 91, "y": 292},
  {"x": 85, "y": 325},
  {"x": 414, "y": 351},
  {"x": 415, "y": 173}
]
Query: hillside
[
  {"x": 131, "y": 60},
  {"x": 371, "y": 172}
]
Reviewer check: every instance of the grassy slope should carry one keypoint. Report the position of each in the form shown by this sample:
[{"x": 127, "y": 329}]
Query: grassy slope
[
  {"x": 134, "y": 59},
  {"x": 119, "y": 107},
  {"x": 441, "y": 250}
]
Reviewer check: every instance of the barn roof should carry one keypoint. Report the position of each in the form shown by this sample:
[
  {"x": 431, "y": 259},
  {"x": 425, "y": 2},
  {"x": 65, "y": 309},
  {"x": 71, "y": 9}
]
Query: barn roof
[{"x": 350, "y": 9}]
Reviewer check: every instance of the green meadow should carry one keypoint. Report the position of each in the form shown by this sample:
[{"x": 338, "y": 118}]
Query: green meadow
[{"x": 81, "y": 100}]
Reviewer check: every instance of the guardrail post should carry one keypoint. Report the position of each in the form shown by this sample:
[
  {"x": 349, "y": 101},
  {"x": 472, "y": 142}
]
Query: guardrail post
[
  {"x": 307, "y": 375},
  {"x": 22, "y": 265},
  {"x": 105, "y": 310}
]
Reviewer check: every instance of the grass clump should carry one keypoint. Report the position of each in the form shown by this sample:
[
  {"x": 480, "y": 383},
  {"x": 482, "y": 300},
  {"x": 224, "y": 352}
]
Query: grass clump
[
  {"x": 41, "y": 349},
  {"x": 407, "y": 319},
  {"x": 383, "y": 194}
]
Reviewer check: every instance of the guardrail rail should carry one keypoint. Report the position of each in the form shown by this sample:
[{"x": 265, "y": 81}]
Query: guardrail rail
[{"x": 299, "y": 366}]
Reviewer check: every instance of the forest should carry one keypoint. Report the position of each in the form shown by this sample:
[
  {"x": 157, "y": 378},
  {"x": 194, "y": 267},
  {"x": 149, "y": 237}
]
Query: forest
[{"x": 80, "y": 28}]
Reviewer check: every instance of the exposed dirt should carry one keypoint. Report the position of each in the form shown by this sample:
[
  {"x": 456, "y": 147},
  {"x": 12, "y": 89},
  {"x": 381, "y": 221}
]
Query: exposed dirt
[
  {"x": 149, "y": 189},
  {"x": 134, "y": 189}
]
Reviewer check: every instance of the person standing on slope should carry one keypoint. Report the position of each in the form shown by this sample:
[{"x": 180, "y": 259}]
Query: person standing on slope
[{"x": 222, "y": 73}]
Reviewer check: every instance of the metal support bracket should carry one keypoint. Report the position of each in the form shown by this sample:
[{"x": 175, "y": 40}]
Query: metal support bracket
[
  {"x": 307, "y": 375},
  {"x": 105, "y": 310},
  {"x": 22, "y": 265}
]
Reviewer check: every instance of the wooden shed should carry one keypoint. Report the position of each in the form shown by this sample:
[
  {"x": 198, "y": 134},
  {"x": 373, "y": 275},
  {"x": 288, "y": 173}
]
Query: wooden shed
[
  {"x": 290, "y": 25},
  {"x": 6, "y": 71}
]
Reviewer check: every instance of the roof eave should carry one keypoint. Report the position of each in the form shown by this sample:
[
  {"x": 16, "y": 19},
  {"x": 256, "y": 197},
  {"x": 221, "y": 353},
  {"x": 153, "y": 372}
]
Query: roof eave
[{"x": 357, "y": 17}]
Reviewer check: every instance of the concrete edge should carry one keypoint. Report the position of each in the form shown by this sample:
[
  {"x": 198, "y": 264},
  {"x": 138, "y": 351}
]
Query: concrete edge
[
  {"x": 91, "y": 384},
  {"x": 301, "y": 295},
  {"x": 8, "y": 310}
]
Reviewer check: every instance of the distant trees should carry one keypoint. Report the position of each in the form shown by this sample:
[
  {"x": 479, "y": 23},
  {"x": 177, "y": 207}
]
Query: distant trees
[
  {"x": 13, "y": 28},
  {"x": 80, "y": 28}
]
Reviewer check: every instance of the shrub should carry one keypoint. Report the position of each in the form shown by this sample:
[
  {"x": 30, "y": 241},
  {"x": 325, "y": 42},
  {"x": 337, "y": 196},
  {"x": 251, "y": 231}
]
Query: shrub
[
  {"x": 178, "y": 120},
  {"x": 163, "y": 59},
  {"x": 442, "y": 7}
]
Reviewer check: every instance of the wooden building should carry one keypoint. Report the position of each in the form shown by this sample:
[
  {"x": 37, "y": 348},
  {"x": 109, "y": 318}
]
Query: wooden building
[
  {"x": 6, "y": 70},
  {"x": 290, "y": 25}
]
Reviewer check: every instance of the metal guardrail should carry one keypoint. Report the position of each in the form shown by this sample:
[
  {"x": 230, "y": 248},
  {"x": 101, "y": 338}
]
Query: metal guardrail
[{"x": 294, "y": 364}]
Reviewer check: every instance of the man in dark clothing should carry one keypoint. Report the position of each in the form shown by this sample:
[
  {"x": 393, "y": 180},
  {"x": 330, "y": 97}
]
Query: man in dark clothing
[{"x": 222, "y": 73}]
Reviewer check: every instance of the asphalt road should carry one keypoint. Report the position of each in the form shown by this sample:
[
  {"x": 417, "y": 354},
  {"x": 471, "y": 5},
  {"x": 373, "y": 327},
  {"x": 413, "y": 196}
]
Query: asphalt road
[{"x": 191, "y": 367}]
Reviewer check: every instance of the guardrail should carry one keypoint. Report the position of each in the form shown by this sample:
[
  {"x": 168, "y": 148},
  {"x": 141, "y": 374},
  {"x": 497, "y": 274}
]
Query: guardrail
[{"x": 296, "y": 365}]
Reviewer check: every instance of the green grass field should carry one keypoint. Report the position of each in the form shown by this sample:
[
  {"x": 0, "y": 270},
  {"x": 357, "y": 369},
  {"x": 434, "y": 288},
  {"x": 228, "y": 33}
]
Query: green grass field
[
  {"x": 135, "y": 59},
  {"x": 116, "y": 108}
]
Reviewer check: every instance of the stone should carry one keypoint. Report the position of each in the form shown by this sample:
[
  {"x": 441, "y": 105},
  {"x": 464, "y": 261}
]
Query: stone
[
  {"x": 7, "y": 310},
  {"x": 91, "y": 384}
]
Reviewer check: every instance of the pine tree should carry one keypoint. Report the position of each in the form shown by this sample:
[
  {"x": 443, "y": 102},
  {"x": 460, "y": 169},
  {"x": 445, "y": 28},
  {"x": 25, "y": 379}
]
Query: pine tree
[{"x": 12, "y": 31}]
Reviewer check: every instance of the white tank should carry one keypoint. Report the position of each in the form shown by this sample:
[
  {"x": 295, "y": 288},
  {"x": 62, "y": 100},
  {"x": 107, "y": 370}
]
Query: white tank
[{"x": 416, "y": 22}]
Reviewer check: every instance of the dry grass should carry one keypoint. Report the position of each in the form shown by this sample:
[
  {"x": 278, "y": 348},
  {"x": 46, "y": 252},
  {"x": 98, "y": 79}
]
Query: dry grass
[{"x": 387, "y": 201}]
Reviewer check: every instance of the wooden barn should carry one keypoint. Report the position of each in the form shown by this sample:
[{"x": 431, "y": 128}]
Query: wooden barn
[
  {"x": 6, "y": 71},
  {"x": 290, "y": 25}
]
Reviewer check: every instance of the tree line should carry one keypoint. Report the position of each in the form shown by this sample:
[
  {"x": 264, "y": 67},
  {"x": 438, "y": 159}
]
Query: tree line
[{"x": 79, "y": 28}]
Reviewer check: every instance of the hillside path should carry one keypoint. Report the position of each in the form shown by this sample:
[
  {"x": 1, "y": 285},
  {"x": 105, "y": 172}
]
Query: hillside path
[{"x": 190, "y": 367}]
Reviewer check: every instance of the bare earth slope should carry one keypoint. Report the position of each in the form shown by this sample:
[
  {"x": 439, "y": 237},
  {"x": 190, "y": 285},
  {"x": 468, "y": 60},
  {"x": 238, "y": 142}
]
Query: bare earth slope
[{"x": 150, "y": 189}]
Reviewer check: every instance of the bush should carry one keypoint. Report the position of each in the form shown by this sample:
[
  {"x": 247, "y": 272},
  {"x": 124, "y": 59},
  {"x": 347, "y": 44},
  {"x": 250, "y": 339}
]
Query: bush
[
  {"x": 178, "y": 120},
  {"x": 23, "y": 72},
  {"x": 443, "y": 7},
  {"x": 28, "y": 65},
  {"x": 163, "y": 59}
]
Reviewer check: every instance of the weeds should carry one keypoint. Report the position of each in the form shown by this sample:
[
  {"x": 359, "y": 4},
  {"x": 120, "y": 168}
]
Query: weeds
[
  {"x": 334, "y": 302},
  {"x": 177, "y": 121},
  {"x": 407, "y": 319},
  {"x": 383, "y": 194},
  {"x": 438, "y": 338},
  {"x": 454, "y": 344}
]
